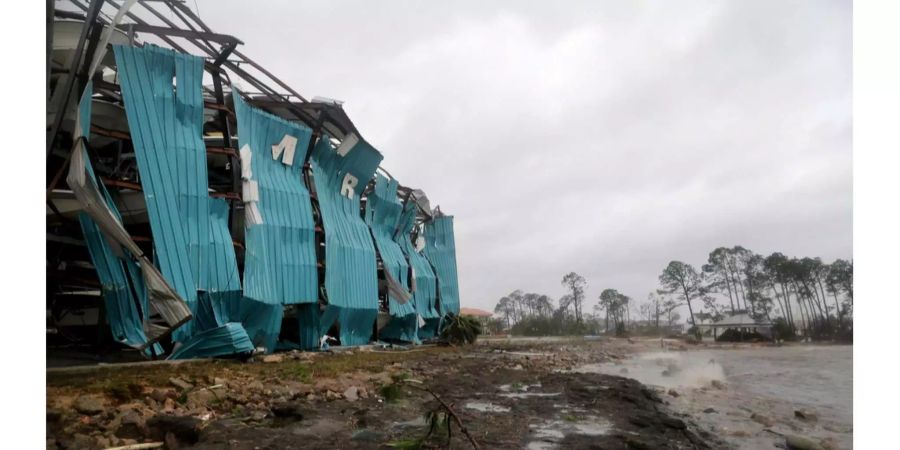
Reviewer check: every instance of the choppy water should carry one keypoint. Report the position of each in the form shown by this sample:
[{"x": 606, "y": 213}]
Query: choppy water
[{"x": 770, "y": 382}]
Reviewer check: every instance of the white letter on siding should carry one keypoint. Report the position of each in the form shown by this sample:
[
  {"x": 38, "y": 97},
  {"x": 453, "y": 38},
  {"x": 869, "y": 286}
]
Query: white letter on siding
[
  {"x": 349, "y": 184},
  {"x": 287, "y": 145},
  {"x": 250, "y": 189},
  {"x": 246, "y": 157}
]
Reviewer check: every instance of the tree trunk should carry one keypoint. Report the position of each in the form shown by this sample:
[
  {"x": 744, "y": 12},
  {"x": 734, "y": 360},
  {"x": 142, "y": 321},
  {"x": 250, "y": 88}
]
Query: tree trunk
[
  {"x": 657, "y": 315},
  {"x": 780, "y": 303},
  {"x": 728, "y": 285},
  {"x": 687, "y": 299},
  {"x": 739, "y": 288},
  {"x": 824, "y": 297},
  {"x": 837, "y": 306},
  {"x": 790, "y": 309},
  {"x": 804, "y": 315}
]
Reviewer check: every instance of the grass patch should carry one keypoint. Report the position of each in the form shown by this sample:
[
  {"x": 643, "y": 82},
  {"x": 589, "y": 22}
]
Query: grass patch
[
  {"x": 301, "y": 372},
  {"x": 391, "y": 392},
  {"x": 399, "y": 377},
  {"x": 406, "y": 444},
  {"x": 121, "y": 380}
]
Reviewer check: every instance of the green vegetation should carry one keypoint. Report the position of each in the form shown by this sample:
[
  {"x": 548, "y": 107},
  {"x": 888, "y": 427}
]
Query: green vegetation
[
  {"x": 802, "y": 297},
  {"x": 460, "y": 330},
  {"x": 327, "y": 365},
  {"x": 391, "y": 392}
]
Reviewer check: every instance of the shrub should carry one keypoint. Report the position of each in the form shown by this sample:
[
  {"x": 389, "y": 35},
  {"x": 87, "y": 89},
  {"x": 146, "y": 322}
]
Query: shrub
[{"x": 459, "y": 330}]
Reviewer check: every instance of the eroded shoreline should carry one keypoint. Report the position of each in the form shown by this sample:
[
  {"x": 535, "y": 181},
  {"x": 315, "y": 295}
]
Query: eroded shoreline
[{"x": 509, "y": 394}]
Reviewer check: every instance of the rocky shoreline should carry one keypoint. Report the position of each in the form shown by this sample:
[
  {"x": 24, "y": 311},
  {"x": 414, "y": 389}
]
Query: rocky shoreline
[{"x": 507, "y": 394}]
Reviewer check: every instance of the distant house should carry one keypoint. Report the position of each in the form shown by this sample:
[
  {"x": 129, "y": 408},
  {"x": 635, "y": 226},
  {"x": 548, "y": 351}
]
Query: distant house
[
  {"x": 480, "y": 315},
  {"x": 742, "y": 322}
]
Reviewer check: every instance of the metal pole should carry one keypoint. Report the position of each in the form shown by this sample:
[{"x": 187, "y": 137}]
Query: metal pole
[{"x": 90, "y": 21}]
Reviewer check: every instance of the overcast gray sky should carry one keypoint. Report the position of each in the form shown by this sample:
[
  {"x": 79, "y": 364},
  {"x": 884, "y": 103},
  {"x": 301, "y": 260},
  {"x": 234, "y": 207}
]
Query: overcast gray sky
[{"x": 602, "y": 137}]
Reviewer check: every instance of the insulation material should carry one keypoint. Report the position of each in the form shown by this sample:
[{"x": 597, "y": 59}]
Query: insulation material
[
  {"x": 440, "y": 248},
  {"x": 423, "y": 278},
  {"x": 351, "y": 282},
  {"x": 280, "y": 259},
  {"x": 226, "y": 340},
  {"x": 81, "y": 179},
  {"x": 383, "y": 212}
]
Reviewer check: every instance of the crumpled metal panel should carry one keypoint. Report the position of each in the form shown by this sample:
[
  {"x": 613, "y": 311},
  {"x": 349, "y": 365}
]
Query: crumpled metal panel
[
  {"x": 221, "y": 262},
  {"x": 228, "y": 339},
  {"x": 110, "y": 247},
  {"x": 166, "y": 130},
  {"x": 124, "y": 295},
  {"x": 351, "y": 280},
  {"x": 423, "y": 280},
  {"x": 440, "y": 248},
  {"x": 280, "y": 258},
  {"x": 383, "y": 211}
]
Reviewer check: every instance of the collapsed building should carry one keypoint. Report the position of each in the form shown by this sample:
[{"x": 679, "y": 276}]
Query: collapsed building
[{"x": 198, "y": 206}]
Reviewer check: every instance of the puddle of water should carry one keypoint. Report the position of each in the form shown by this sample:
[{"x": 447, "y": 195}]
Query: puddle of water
[
  {"x": 487, "y": 407},
  {"x": 519, "y": 387},
  {"x": 598, "y": 428},
  {"x": 550, "y": 433},
  {"x": 541, "y": 445},
  {"x": 418, "y": 422},
  {"x": 530, "y": 394},
  {"x": 525, "y": 353}
]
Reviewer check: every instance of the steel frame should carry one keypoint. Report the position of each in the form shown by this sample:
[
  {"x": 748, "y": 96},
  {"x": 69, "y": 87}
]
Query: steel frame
[{"x": 172, "y": 23}]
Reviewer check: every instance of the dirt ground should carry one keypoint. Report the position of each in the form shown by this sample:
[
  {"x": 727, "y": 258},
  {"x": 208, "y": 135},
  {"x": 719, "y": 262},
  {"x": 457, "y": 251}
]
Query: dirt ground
[{"x": 507, "y": 395}]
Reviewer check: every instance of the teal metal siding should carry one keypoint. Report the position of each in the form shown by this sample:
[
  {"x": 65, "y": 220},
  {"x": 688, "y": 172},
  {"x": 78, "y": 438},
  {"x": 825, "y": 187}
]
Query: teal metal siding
[
  {"x": 350, "y": 266},
  {"x": 383, "y": 211},
  {"x": 166, "y": 130},
  {"x": 440, "y": 248},
  {"x": 228, "y": 339},
  {"x": 122, "y": 286},
  {"x": 425, "y": 293},
  {"x": 280, "y": 259},
  {"x": 221, "y": 263}
]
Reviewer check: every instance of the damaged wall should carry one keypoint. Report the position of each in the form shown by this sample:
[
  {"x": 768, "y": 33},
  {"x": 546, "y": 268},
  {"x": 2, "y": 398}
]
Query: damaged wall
[
  {"x": 440, "y": 248},
  {"x": 383, "y": 211},
  {"x": 351, "y": 283}
]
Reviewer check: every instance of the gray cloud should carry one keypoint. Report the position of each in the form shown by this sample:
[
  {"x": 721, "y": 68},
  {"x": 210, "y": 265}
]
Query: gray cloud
[{"x": 606, "y": 138}]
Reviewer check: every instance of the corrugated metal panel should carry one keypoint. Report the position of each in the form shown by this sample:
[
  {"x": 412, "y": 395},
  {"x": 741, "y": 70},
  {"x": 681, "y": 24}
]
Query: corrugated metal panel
[
  {"x": 82, "y": 180},
  {"x": 124, "y": 294},
  {"x": 124, "y": 313},
  {"x": 191, "y": 237},
  {"x": 221, "y": 268},
  {"x": 383, "y": 211},
  {"x": 440, "y": 248},
  {"x": 350, "y": 266},
  {"x": 228, "y": 339},
  {"x": 166, "y": 127},
  {"x": 425, "y": 293},
  {"x": 280, "y": 259}
]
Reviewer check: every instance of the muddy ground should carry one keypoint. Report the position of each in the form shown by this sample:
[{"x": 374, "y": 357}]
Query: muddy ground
[{"x": 508, "y": 395}]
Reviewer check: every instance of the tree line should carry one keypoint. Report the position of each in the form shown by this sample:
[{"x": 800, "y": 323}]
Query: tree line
[{"x": 802, "y": 297}]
